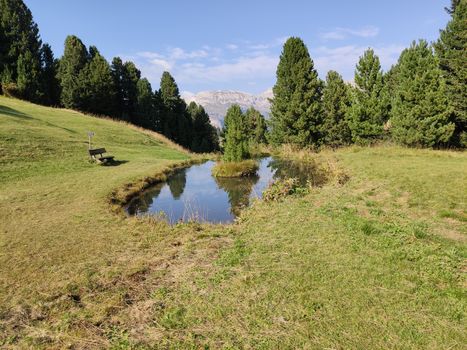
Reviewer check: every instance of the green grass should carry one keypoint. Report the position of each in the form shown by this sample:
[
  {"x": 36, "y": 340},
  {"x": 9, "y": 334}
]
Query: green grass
[
  {"x": 375, "y": 262},
  {"x": 247, "y": 167}
]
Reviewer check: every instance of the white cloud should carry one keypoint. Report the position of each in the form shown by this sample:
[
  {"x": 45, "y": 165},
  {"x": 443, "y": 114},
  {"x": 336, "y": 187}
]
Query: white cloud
[
  {"x": 221, "y": 68},
  {"x": 177, "y": 53},
  {"x": 344, "y": 58},
  {"x": 260, "y": 46},
  {"x": 148, "y": 54},
  {"x": 343, "y": 33},
  {"x": 269, "y": 45},
  {"x": 236, "y": 62},
  {"x": 161, "y": 63},
  {"x": 237, "y": 69}
]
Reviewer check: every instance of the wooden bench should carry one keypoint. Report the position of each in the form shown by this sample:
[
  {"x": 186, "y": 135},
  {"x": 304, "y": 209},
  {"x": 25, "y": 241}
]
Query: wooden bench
[{"x": 98, "y": 154}]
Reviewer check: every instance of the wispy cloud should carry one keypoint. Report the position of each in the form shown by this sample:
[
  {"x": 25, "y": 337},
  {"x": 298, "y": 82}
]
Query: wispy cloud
[
  {"x": 268, "y": 45},
  {"x": 344, "y": 58},
  {"x": 340, "y": 33},
  {"x": 246, "y": 65},
  {"x": 177, "y": 53},
  {"x": 237, "y": 69},
  {"x": 241, "y": 62}
]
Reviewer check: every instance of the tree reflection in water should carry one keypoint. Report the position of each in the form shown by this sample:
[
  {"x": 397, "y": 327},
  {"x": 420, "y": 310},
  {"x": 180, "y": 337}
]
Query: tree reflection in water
[
  {"x": 143, "y": 202},
  {"x": 238, "y": 190},
  {"x": 193, "y": 192},
  {"x": 302, "y": 171},
  {"x": 177, "y": 183}
]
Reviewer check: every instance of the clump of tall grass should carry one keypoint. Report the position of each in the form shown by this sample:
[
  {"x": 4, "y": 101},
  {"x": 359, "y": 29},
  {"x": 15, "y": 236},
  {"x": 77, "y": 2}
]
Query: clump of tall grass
[
  {"x": 247, "y": 167},
  {"x": 283, "y": 188},
  {"x": 327, "y": 165}
]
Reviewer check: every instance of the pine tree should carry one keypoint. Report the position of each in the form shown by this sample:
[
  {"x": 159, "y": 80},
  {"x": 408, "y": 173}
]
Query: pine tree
[
  {"x": 451, "y": 49},
  {"x": 49, "y": 80},
  {"x": 131, "y": 76},
  {"x": 158, "y": 107},
  {"x": 420, "y": 114},
  {"x": 369, "y": 109},
  {"x": 20, "y": 41},
  {"x": 117, "y": 76},
  {"x": 125, "y": 77},
  {"x": 256, "y": 125},
  {"x": 145, "y": 109},
  {"x": 28, "y": 77},
  {"x": 177, "y": 122},
  {"x": 74, "y": 59},
  {"x": 296, "y": 112},
  {"x": 97, "y": 90},
  {"x": 336, "y": 105},
  {"x": 204, "y": 135},
  {"x": 236, "y": 146}
]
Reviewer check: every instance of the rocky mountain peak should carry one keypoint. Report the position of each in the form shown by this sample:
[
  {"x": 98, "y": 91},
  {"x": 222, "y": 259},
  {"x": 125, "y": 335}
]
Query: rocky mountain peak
[{"x": 217, "y": 102}]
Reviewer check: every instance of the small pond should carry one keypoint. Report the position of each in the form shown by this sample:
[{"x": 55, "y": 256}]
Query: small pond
[{"x": 194, "y": 194}]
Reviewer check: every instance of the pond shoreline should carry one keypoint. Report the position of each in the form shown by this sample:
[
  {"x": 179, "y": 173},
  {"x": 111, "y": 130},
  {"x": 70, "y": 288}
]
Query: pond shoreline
[
  {"x": 194, "y": 193},
  {"x": 122, "y": 195}
]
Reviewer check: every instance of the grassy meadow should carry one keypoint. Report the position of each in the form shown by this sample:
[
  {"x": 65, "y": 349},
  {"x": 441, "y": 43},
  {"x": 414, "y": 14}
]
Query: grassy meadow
[{"x": 376, "y": 263}]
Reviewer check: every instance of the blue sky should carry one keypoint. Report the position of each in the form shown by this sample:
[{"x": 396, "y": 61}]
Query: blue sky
[{"x": 235, "y": 45}]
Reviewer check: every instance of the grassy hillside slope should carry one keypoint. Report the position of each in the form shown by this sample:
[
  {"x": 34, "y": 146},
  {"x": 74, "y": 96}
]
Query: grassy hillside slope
[
  {"x": 54, "y": 216},
  {"x": 379, "y": 262}
]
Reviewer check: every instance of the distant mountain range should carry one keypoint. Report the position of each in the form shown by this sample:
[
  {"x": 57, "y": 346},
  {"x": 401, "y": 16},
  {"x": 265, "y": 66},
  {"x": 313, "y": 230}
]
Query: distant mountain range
[{"x": 216, "y": 103}]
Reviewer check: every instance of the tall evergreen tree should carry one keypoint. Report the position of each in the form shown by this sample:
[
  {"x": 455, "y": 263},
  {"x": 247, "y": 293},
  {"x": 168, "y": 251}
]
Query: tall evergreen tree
[
  {"x": 97, "y": 90},
  {"x": 28, "y": 77},
  {"x": 203, "y": 135},
  {"x": 19, "y": 37},
  {"x": 336, "y": 105},
  {"x": 256, "y": 125},
  {"x": 131, "y": 76},
  {"x": 236, "y": 146},
  {"x": 369, "y": 109},
  {"x": 145, "y": 109},
  {"x": 125, "y": 77},
  {"x": 49, "y": 80},
  {"x": 159, "y": 111},
  {"x": 420, "y": 113},
  {"x": 176, "y": 123},
  {"x": 296, "y": 112},
  {"x": 451, "y": 49},
  {"x": 117, "y": 76},
  {"x": 74, "y": 59}
]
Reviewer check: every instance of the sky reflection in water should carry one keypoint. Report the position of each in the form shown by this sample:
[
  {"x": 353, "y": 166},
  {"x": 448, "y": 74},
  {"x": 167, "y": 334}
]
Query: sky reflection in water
[{"x": 194, "y": 194}]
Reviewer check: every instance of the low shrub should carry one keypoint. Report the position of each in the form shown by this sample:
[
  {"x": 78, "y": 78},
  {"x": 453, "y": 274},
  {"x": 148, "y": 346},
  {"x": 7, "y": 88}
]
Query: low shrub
[
  {"x": 283, "y": 188},
  {"x": 235, "y": 169},
  {"x": 10, "y": 90}
]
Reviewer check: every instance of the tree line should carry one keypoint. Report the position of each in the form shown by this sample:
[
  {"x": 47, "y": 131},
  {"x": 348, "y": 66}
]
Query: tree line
[
  {"x": 82, "y": 79},
  {"x": 420, "y": 102}
]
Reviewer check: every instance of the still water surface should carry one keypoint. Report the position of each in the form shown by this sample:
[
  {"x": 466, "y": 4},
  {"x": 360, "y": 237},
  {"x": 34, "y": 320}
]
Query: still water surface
[{"x": 194, "y": 194}]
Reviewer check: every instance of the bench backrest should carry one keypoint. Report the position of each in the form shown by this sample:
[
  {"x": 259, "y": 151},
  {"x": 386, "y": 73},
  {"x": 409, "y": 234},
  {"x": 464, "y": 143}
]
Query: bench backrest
[{"x": 96, "y": 151}]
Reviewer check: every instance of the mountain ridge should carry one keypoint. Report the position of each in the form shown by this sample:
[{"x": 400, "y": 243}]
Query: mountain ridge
[{"x": 216, "y": 102}]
